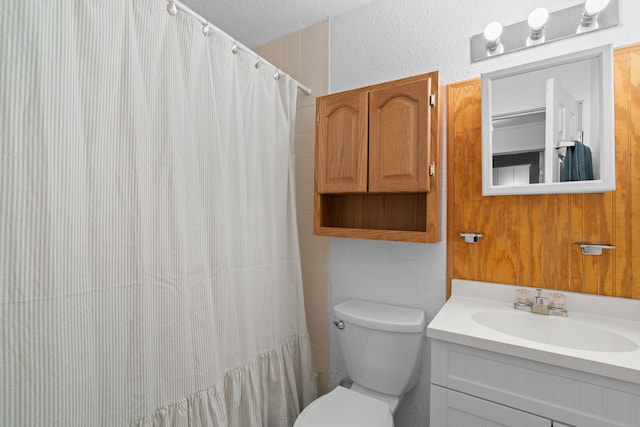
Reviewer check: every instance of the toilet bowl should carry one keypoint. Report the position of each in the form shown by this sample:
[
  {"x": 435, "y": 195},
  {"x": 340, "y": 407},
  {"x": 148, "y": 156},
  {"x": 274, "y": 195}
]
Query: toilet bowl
[
  {"x": 345, "y": 408},
  {"x": 382, "y": 347}
]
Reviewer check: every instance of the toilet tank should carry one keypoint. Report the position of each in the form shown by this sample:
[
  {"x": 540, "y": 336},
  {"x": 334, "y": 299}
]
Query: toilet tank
[{"x": 381, "y": 344}]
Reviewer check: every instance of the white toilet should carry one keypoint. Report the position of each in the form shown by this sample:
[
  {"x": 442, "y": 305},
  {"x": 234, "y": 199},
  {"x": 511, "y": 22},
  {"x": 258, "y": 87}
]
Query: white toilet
[{"x": 382, "y": 346}]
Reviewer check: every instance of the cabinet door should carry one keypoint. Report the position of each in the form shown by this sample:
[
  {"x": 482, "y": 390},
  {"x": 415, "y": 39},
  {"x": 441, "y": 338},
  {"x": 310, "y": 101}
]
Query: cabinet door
[
  {"x": 452, "y": 409},
  {"x": 400, "y": 138},
  {"x": 341, "y": 144}
]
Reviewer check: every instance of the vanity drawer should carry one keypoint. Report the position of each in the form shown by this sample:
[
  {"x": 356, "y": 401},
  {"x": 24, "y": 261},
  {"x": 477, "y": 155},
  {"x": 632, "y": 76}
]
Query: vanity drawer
[
  {"x": 454, "y": 409},
  {"x": 566, "y": 395}
]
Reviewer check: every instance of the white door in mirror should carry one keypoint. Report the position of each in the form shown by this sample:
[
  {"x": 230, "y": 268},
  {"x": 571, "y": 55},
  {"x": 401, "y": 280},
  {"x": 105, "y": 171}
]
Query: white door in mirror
[{"x": 563, "y": 129}]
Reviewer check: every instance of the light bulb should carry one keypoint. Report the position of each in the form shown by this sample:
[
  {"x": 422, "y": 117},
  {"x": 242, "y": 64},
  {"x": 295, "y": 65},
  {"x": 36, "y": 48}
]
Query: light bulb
[
  {"x": 493, "y": 31},
  {"x": 593, "y": 7},
  {"x": 538, "y": 18},
  {"x": 589, "y": 19}
]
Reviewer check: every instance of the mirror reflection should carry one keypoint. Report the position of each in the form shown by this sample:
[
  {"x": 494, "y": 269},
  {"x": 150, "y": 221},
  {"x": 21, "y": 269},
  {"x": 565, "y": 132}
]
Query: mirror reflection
[{"x": 547, "y": 125}]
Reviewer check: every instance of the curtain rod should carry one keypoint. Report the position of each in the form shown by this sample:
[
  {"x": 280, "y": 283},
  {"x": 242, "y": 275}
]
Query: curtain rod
[{"x": 237, "y": 45}]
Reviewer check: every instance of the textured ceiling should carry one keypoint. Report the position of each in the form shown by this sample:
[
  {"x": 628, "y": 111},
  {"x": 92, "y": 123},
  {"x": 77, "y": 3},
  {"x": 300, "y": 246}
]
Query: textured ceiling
[{"x": 257, "y": 22}]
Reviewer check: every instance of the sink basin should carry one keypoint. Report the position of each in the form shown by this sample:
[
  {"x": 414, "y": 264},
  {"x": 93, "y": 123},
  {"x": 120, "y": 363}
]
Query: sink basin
[{"x": 556, "y": 331}]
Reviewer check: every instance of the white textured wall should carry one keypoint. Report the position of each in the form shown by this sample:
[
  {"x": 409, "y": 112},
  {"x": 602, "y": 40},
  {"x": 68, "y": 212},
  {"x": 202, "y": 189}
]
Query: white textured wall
[{"x": 390, "y": 39}]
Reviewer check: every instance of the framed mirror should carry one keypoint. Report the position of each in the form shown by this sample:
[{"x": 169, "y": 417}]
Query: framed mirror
[{"x": 548, "y": 126}]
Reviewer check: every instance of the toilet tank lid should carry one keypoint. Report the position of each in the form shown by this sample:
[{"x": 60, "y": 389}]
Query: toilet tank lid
[{"x": 382, "y": 317}]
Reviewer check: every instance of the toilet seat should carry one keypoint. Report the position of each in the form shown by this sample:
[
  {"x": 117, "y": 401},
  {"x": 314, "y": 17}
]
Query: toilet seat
[{"x": 345, "y": 408}]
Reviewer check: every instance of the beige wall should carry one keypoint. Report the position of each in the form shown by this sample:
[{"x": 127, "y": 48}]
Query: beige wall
[{"x": 305, "y": 56}]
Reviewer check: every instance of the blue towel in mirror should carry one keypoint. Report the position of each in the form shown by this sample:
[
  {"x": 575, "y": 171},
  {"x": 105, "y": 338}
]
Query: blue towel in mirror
[{"x": 577, "y": 165}]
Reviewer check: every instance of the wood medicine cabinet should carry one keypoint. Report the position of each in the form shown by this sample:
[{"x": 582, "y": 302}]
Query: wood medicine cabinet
[{"x": 377, "y": 162}]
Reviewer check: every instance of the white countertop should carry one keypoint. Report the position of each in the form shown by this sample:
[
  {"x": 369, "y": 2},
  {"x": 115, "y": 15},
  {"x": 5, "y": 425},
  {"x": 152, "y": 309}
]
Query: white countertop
[{"x": 454, "y": 323}]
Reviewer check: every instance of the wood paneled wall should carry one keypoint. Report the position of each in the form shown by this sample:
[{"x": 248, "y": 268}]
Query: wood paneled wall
[{"x": 530, "y": 240}]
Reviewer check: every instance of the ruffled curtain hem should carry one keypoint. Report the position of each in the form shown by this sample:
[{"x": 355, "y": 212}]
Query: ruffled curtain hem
[{"x": 270, "y": 392}]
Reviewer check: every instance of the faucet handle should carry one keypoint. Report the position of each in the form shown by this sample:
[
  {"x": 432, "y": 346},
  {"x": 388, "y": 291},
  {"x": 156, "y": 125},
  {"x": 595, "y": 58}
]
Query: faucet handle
[{"x": 557, "y": 300}]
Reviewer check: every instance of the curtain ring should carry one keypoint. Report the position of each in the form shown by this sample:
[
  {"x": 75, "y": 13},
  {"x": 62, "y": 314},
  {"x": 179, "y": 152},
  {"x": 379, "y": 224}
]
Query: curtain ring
[
  {"x": 172, "y": 8},
  {"x": 234, "y": 49},
  {"x": 276, "y": 76},
  {"x": 257, "y": 64},
  {"x": 206, "y": 29}
]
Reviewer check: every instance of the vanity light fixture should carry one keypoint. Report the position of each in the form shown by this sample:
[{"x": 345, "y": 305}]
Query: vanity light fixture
[{"x": 543, "y": 27}]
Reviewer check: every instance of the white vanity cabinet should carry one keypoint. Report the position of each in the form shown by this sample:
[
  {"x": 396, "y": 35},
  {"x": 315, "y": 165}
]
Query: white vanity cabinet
[{"x": 473, "y": 387}]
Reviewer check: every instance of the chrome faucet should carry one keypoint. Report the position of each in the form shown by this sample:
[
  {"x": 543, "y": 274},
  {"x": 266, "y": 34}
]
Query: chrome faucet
[{"x": 540, "y": 303}]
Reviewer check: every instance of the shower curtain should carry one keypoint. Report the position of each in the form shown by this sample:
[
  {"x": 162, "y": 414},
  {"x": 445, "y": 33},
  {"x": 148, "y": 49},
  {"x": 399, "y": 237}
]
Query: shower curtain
[{"x": 149, "y": 261}]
